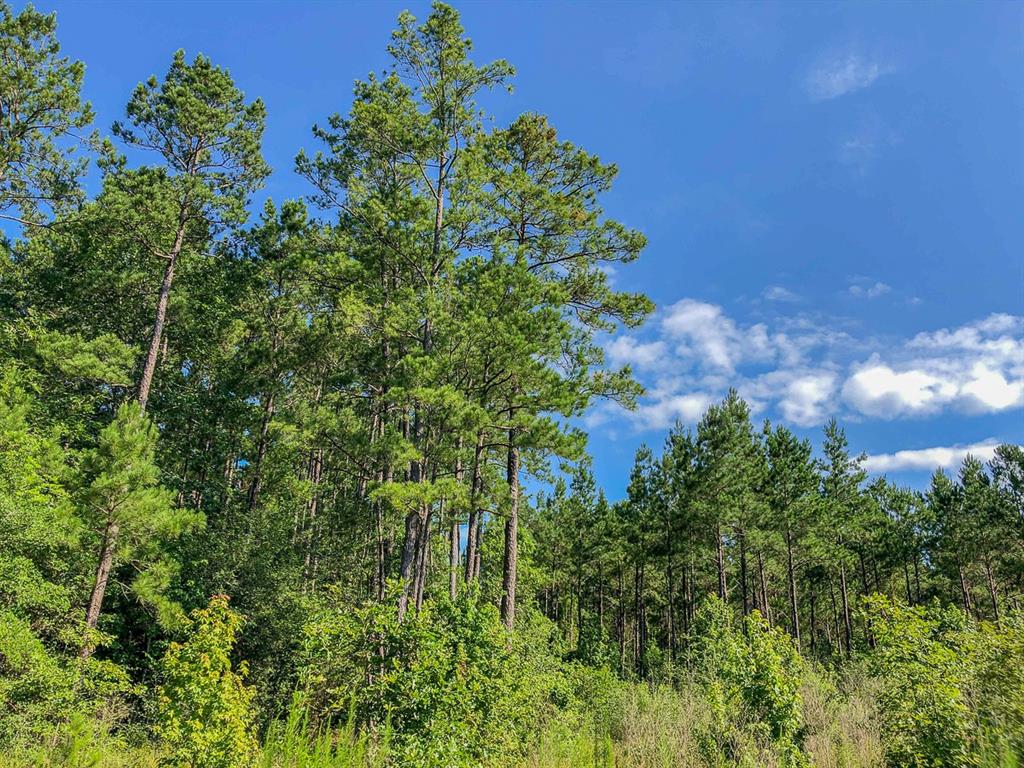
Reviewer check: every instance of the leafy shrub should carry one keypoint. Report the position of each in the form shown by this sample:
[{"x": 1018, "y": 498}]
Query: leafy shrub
[
  {"x": 751, "y": 678},
  {"x": 204, "y": 711},
  {"x": 450, "y": 684},
  {"x": 953, "y": 689}
]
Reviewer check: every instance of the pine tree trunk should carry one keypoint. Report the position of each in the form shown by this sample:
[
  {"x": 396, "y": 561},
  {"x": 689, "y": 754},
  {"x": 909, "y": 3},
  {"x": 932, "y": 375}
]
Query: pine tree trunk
[
  {"x": 670, "y": 602},
  {"x": 720, "y": 562},
  {"x": 965, "y": 593},
  {"x": 422, "y": 563},
  {"x": 511, "y": 563},
  {"x": 479, "y": 537},
  {"x": 261, "y": 455},
  {"x": 99, "y": 588},
  {"x": 847, "y": 624},
  {"x": 812, "y": 629},
  {"x": 620, "y": 624},
  {"x": 743, "y": 572},
  {"x": 405, "y": 568},
  {"x": 474, "y": 513},
  {"x": 149, "y": 369},
  {"x": 765, "y": 603},
  {"x": 835, "y": 615},
  {"x": 992, "y": 589},
  {"x": 794, "y": 613}
]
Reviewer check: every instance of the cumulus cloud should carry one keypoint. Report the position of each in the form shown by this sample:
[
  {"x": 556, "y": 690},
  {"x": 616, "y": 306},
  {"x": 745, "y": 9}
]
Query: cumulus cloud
[
  {"x": 805, "y": 398},
  {"x": 662, "y": 413},
  {"x": 976, "y": 368},
  {"x": 626, "y": 350},
  {"x": 778, "y": 293},
  {"x": 930, "y": 458},
  {"x": 870, "y": 291},
  {"x": 805, "y": 369},
  {"x": 704, "y": 333},
  {"x": 836, "y": 76}
]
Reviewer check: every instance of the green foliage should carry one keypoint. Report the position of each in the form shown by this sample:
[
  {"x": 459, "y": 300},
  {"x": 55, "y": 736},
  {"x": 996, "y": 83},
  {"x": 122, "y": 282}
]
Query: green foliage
[
  {"x": 124, "y": 494},
  {"x": 331, "y": 397},
  {"x": 952, "y": 693},
  {"x": 40, "y": 92},
  {"x": 751, "y": 677},
  {"x": 446, "y": 684},
  {"x": 204, "y": 711}
]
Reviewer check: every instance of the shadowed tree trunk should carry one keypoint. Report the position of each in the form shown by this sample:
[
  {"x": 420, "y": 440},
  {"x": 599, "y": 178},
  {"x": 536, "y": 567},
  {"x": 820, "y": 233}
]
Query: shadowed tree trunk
[{"x": 511, "y": 563}]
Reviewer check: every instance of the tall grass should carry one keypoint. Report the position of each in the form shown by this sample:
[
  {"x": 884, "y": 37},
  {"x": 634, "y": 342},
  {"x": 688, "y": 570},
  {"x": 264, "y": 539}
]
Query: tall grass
[{"x": 637, "y": 726}]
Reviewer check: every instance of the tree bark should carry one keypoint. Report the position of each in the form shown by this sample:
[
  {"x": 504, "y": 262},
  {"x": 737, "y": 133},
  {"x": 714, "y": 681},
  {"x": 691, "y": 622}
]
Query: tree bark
[
  {"x": 99, "y": 588},
  {"x": 764, "y": 589},
  {"x": 847, "y": 624},
  {"x": 965, "y": 593},
  {"x": 405, "y": 568},
  {"x": 149, "y": 369},
  {"x": 511, "y": 563},
  {"x": 992, "y": 589},
  {"x": 720, "y": 562},
  {"x": 794, "y": 613},
  {"x": 743, "y": 572},
  {"x": 261, "y": 454},
  {"x": 474, "y": 501}
]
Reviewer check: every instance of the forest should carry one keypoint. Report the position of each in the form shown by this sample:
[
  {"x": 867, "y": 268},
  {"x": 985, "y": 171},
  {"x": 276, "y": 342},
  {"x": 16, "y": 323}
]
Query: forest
[{"x": 302, "y": 483}]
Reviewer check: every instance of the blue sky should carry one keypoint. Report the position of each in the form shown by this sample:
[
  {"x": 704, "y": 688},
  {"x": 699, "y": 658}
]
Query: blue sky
[{"x": 831, "y": 192}]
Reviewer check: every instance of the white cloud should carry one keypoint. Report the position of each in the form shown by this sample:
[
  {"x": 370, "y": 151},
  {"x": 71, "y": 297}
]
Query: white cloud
[
  {"x": 804, "y": 369},
  {"x": 703, "y": 333},
  {"x": 870, "y": 291},
  {"x": 839, "y": 75},
  {"x": 626, "y": 350},
  {"x": 930, "y": 458},
  {"x": 976, "y": 368},
  {"x": 778, "y": 293},
  {"x": 805, "y": 398},
  {"x": 876, "y": 389},
  {"x": 664, "y": 412}
]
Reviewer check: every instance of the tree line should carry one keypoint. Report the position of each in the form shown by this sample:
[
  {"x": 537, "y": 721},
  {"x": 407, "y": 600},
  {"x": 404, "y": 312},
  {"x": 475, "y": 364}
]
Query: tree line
[
  {"x": 754, "y": 517},
  {"x": 338, "y": 398}
]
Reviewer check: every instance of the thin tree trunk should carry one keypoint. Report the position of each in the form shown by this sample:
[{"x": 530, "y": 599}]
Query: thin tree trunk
[
  {"x": 917, "y": 577},
  {"x": 474, "y": 501},
  {"x": 149, "y": 369},
  {"x": 670, "y": 599},
  {"x": 743, "y": 572},
  {"x": 992, "y": 589},
  {"x": 620, "y": 624},
  {"x": 794, "y": 613},
  {"x": 964, "y": 591},
  {"x": 764, "y": 589},
  {"x": 479, "y": 536},
  {"x": 313, "y": 509},
  {"x": 511, "y": 563},
  {"x": 812, "y": 629},
  {"x": 847, "y": 624},
  {"x": 261, "y": 454},
  {"x": 835, "y": 615},
  {"x": 453, "y": 558},
  {"x": 720, "y": 562},
  {"x": 92, "y": 614},
  {"x": 422, "y": 562},
  {"x": 405, "y": 568}
]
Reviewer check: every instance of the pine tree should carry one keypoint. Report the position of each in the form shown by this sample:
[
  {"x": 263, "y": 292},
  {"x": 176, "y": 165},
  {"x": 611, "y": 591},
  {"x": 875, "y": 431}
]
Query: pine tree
[
  {"x": 126, "y": 504},
  {"x": 40, "y": 119}
]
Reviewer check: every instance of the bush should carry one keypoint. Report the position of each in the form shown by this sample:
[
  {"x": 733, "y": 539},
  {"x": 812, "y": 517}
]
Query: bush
[
  {"x": 450, "y": 685},
  {"x": 953, "y": 689},
  {"x": 751, "y": 678},
  {"x": 204, "y": 711}
]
